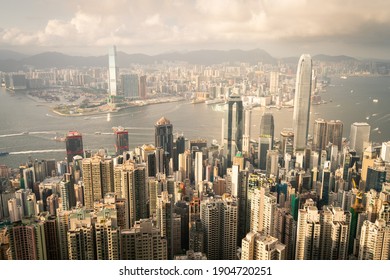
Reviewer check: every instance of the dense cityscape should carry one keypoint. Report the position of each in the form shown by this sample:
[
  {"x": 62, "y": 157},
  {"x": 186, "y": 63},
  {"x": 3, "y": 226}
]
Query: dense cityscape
[{"x": 253, "y": 195}]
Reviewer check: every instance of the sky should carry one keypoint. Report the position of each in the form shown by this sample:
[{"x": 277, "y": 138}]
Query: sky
[{"x": 359, "y": 28}]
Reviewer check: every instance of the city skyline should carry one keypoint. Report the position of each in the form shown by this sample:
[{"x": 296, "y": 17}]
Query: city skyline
[{"x": 288, "y": 28}]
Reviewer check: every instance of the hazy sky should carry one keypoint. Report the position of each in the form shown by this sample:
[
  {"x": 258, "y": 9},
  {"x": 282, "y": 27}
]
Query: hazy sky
[{"x": 281, "y": 27}]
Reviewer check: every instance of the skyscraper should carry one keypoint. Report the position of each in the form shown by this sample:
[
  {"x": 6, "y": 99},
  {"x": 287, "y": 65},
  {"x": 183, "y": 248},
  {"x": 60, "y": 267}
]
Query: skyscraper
[
  {"x": 130, "y": 86},
  {"x": 359, "y": 137},
  {"x": 164, "y": 136},
  {"x": 74, "y": 145},
  {"x": 219, "y": 221},
  {"x": 319, "y": 132},
  {"x": 266, "y": 138},
  {"x": 112, "y": 72},
  {"x": 374, "y": 241},
  {"x": 121, "y": 140},
  {"x": 301, "y": 112},
  {"x": 334, "y": 133},
  {"x": 142, "y": 87},
  {"x": 235, "y": 128}
]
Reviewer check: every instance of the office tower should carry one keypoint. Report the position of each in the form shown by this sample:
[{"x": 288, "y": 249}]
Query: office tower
[
  {"x": 130, "y": 86},
  {"x": 319, "y": 135},
  {"x": 28, "y": 177},
  {"x": 274, "y": 82},
  {"x": 80, "y": 236},
  {"x": 301, "y": 114},
  {"x": 142, "y": 87},
  {"x": 385, "y": 151},
  {"x": 121, "y": 140},
  {"x": 52, "y": 203},
  {"x": 74, "y": 145},
  {"x": 15, "y": 210},
  {"x": 258, "y": 246},
  {"x": 198, "y": 169},
  {"x": 68, "y": 199},
  {"x": 182, "y": 209},
  {"x": 369, "y": 156},
  {"x": 262, "y": 210},
  {"x": 164, "y": 136},
  {"x": 112, "y": 72},
  {"x": 359, "y": 137},
  {"x": 376, "y": 176},
  {"x": 335, "y": 230},
  {"x": 106, "y": 235},
  {"x": 219, "y": 221},
  {"x": 286, "y": 141},
  {"x": 133, "y": 188},
  {"x": 247, "y": 131},
  {"x": 234, "y": 129},
  {"x": 334, "y": 133},
  {"x": 326, "y": 185},
  {"x": 243, "y": 206},
  {"x": 374, "y": 241},
  {"x": 266, "y": 138},
  {"x": 143, "y": 241},
  {"x": 308, "y": 234},
  {"x": 272, "y": 164}
]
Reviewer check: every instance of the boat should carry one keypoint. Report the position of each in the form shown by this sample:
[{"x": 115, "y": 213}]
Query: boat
[
  {"x": 343, "y": 77},
  {"x": 59, "y": 139},
  {"x": 375, "y": 100},
  {"x": 3, "y": 154}
]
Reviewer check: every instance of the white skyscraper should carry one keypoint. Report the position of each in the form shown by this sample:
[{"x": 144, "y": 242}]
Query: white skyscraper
[
  {"x": 112, "y": 71},
  {"x": 385, "y": 152},
  {"x": 359, "y": 137},
  {"x": 301, "y": 113}
]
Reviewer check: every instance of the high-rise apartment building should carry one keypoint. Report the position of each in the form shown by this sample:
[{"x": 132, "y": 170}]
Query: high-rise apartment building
[
  {"x": 308, "y": 234},
  {"x": 374, "y": 241},
  {"x": 143, "y": 241},
  {"x": 219, "y": 220},
  {"x": 301, "y": 114},
  {"x": 258, "y": 246}
]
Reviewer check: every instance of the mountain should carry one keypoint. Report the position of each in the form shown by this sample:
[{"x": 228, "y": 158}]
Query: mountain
[
  {"x": 15, "y": 62},
  {"x": 333, "y": 58},
  {"x": 12, "y": 61},
  {"x": 12, "y": 55}
]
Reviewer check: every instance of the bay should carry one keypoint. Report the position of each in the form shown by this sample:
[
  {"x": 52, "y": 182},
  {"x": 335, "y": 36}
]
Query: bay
[{"x": 27, "y": 127}]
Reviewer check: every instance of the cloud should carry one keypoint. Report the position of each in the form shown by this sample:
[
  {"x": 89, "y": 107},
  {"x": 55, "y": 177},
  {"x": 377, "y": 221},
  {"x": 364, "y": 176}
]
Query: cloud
[{"x": 203, "y": 23}]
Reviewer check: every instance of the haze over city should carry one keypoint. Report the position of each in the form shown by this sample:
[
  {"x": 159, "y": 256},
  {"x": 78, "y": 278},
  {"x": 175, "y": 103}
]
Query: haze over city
[{"x": 283, "y": 28}]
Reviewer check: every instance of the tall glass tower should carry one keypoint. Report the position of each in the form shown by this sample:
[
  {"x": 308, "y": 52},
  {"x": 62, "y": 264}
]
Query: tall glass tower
[
  {"x": 164, "y": 136},
  {"x": 301, "y": 113},
  {"x": 235, "y": 128},
  {"x": 112, "y": 71},
  {"x": 266, "y": 138}
]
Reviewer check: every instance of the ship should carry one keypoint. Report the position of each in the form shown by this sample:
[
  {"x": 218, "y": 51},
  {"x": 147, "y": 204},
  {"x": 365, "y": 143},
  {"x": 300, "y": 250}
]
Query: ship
[
  {"x": 375, "y": 100},
  {"x": 4, "y": 154}
]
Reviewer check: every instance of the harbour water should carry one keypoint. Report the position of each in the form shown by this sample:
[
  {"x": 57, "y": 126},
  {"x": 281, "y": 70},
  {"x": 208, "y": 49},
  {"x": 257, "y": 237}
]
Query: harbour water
[{"x": 28, "y": 128}]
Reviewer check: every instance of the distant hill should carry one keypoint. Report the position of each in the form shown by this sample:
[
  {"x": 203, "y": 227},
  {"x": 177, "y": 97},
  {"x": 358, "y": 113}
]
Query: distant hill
[
  {"x": 7, "y": 54},
  {"x": 12, "y": 61},
  {"x": 333, "y": 58}
]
